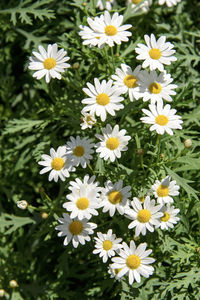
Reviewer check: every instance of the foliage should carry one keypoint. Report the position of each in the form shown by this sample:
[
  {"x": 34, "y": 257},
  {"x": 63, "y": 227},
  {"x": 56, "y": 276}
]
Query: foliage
[{"x": 36, "y": 116}]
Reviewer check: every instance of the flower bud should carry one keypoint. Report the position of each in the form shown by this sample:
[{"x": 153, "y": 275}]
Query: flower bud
[
  {"x": 44, "y": 215},
  {"x": 13, "y": 284},
  {"x": 23, "y": 204},
  {"x": 76, "y": 65},
  {"x": 188, "y": 143},
  {"x": 140, "y": 151},
  {"x": 2, "y": 293}
]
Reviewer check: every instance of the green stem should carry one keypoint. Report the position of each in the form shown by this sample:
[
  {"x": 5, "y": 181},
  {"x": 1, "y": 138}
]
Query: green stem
[
  {"x": 90, "y": 167},
  {"x": 158, "y": 152}
]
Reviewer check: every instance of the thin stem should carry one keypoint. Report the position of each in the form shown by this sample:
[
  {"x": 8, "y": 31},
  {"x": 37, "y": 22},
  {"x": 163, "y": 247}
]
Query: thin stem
[
  {"x": 90, "y": 167},
  {"x": 158, "y": 143}
]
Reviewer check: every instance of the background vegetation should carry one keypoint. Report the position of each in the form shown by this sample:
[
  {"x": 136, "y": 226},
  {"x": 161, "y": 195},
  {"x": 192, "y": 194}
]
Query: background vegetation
[{"x": 36, "y": 116}]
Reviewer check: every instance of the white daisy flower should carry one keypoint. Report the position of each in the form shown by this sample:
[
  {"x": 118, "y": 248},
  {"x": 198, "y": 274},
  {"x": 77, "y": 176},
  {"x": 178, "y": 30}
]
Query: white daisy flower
[
  {"x": 127, "y": 81},
  {"x": 79, "y": 151},
  {"x": 169, "y": 218},
  {"x": 82, "y": 203},
  {"x": 106, "y": 245},
  {"x": 162, "y": 118},
  {"x": 88, "y": 183},
  {"x": 144, "y": 6},
  {"x": 134, "y": 261},
  {"x": 87, "y": 120},
  {"x": 156, "y": 87},
  {"x": 49, "y": 63},
  {"x": 164, "y": 189},
  {"x": 108, "y": 4},
  {"x": 115, "y": 197},
  {"x": 103, "y": 99},
  {"x": 169, "y": 3},
  {"x": 114, "y": 272},
  {"x": 156, "y": 53},
  {"x": 105, "y": 30},
  {"x": 144, "y": 215},
  {"x": 113, "y": 141},
  {"x": 75, "y": 230},
  {"x": 57, "y": 164}
]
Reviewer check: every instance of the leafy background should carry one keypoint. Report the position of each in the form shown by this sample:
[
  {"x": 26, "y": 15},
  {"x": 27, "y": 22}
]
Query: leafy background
[{"x": 36, "y": 116}]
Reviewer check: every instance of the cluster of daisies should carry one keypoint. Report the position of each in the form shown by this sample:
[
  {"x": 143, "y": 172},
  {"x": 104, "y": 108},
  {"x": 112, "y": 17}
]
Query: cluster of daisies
[
  {"x": 106, "y": 97},
  {"x": 86, "y": 197}
]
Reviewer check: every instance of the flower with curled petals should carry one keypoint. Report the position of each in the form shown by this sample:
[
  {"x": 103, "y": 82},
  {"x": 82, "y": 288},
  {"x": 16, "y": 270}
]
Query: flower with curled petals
[{"x": 75, "y": 230}]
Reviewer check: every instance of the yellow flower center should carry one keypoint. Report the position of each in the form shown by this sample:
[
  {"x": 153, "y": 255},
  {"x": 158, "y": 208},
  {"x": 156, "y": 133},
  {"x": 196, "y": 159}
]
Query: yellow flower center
[
  {"x": 115, "y": 197},
  {"x": 103, "y": 99},
  {"x": 110, "y": 30},
  {"x": 75, "y": 227},
  {"x": 155, "y": 88},
  {"x": 112, "y": 143},
  {"x": 82, "y": 203},
  {"x": 133, "y": 261},
  {"x": 107, "y": 245},
  {"x": 57, "y": 163},
  {"x": 130, "y": 81},
  {"x": 117, "y": 270},
  {"x": 155, "y": 53},
  {"x": 161, "y": 120},
  {"x": 89, "y": 120},
  {"x": 166, "y": 217},
  {"x": 144, "y": 215},
  {"x": 49, "y": 63},
  {"x": 79, "y": 151},
  {"x": 141, "y": 199},
  {"x": 136, "y": 1},
  {"x": 162, "y": 191}
]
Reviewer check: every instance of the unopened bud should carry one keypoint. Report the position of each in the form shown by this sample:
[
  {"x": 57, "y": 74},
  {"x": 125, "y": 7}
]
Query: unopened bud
[
  {"x": 44, "y": 215},
  {"x": 84, "y": 3},
  {"x": 23, "y": 204},
  {"x": 2, "y": 293},
  {"x": 197, "y": 249},
  {"x": 117, "y": 54},
  {"x": 188, "y": 143},
  {"x": 13, "y": 284},
  {"x": 76, "y": 65},
  {"x": 142, "y": 199},
  {"x": 140, "y": 151},
  {"x": 162, "y": 155}
]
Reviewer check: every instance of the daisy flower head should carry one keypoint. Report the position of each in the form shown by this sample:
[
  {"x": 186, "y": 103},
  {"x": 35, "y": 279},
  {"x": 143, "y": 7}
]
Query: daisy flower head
[
  {"x": 108, "y": 4},
  {"x": 145, "y": 215},
  {"x": 144, "y": 6},
  {"x": 162, "y": 118},
  {"x": 113, "y": 273},
  {"x": 106, "y": 245},
  {"x": 49, "y": 63},
  {"x": 169, "y": 3},
  {"x": 106, "y": 30},
  {"x": 112, "y": 142},
  {"x": 57, "y": 163},
  {"x": 88, "y": 183},
  {"x": 82, "y": 203},
  {"x": 75, "y": 230},
  {"x": 127, "y": 81},
  {"x": 103, "y": 99},
  {"x": 156, "y": 53},
  {"x": 164, "y": 189},
  {"x": 156, "y": 87},
  {"x": 87, "y": 120},
  {"x": 115, "y": 197},
  {"x": 79, "y": 151},
  {"x": 134, "y": 261},
  {"x": 169, "y": 218}
]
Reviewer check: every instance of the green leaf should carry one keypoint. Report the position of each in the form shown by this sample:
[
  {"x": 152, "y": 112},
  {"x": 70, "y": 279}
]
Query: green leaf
[
  {"x": 183, "y": 183},
  {"x": 13, "y": 222}
]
